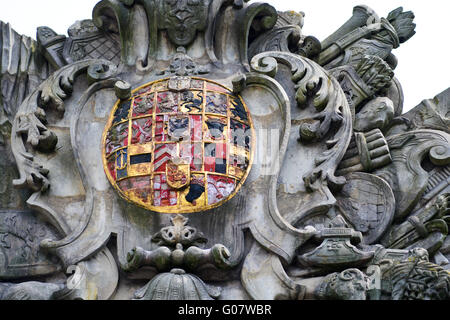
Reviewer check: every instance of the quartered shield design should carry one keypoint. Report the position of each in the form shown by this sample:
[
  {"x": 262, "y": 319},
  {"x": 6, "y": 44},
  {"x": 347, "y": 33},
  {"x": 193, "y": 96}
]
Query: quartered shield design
[{"x": 179, "y": 145}]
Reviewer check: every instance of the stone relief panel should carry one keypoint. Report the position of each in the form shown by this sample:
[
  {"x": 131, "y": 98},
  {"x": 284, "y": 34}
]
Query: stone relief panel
[
  {"x": 208, "y": 149},
  {"x": 21, "y": 233}
]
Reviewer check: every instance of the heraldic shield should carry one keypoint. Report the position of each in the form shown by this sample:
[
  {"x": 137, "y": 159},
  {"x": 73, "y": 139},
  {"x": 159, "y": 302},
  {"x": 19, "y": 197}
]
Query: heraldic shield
[
  {"x": 295, "y": 172},
  {"x": 179, "y": 144}
]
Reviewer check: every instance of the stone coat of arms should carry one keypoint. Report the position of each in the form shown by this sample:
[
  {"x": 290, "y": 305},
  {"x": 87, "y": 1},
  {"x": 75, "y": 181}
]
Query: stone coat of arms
[{"x": 208, "y": 149}]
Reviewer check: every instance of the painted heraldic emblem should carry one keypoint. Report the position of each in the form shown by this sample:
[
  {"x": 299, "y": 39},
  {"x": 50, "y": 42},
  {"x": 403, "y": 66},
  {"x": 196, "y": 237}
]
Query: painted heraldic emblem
[{"x": 179, "y": 145}]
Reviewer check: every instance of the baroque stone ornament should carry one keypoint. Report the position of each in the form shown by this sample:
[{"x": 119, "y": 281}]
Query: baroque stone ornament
[
  {"x": 208, "y": 149},
  {"x": 179, "y": 145}
]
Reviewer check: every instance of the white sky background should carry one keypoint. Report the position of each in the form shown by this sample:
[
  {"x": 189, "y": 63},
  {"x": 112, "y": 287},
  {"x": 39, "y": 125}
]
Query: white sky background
[{"x": 424, "y": 61}]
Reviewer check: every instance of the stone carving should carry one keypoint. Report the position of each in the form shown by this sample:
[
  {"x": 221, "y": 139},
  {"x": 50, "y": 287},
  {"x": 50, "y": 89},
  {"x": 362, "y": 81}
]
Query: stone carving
[
  {"x": 287, "y": 36},
  {"x": 177, "y": 285},
  {"x": 367, "y": 151},
  {"x": 376, "y": 114},
  {"x": 420, "y": 224},
  {"x": 367, "y": 202},
  {"x": 414, "y": 278},
  {"x": 95, "y": 278},
  {"x": 405, "y": 175},
  {"x": 182, "y": 19},
  {"x": 20, "y": 235},
  {"x": 183, "y": 65},
  {"x": 430, "y": 113},
  {"x": 177, "y": 249},
  {"x": 85, "y": 41},
  {"x": 365, "y": 33},
  {"x": 29, "y": 291},
  {"x": 336, "y": 249},
  {"x": 290, "y": 154}
]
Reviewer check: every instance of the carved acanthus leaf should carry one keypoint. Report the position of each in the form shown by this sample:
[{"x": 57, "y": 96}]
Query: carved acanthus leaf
[
  {"x": 316, "y": 89},
  {"x": 29, "y": 123}
]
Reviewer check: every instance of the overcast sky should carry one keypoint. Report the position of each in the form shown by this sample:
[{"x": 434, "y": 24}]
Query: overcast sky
[{"x": 424, "y": 63}]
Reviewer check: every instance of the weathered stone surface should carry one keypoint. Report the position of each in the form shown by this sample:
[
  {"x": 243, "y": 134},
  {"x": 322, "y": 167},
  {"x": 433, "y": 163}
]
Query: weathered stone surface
[
  {"x": 29, "y": 291},
  {"x": 334, "y": 195},
  {"x": 430, "y": 113}
]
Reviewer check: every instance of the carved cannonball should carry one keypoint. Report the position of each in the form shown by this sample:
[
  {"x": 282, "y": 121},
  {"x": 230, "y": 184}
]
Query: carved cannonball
[{"x": 177, "y": 285}]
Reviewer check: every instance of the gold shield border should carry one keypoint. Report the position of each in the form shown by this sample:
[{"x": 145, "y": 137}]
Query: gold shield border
[{"x": 171, "y": 209}]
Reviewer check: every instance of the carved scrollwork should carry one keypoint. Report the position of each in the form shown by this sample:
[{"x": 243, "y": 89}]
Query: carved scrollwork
[
  {"x": 93, "y": 279},
  {"x": 177, "y": 251},
  {"x": 317, "y": 99},
  {"x": 59, "y": 86},
  {"x": 287, "y": 36},
  {"x": 268, "y": 209},
  {"x": 314, "y": 202},
  {"x": 279, "y": 39},
  {"x": 316, "y": 89},
  {"x": 29, "y": 125},
  {"x": 177, "y": 247},
  {"x": 420, "y": 225},
  {"x": 259, "y": 16},
  {"x": 94, "y": 218}
]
